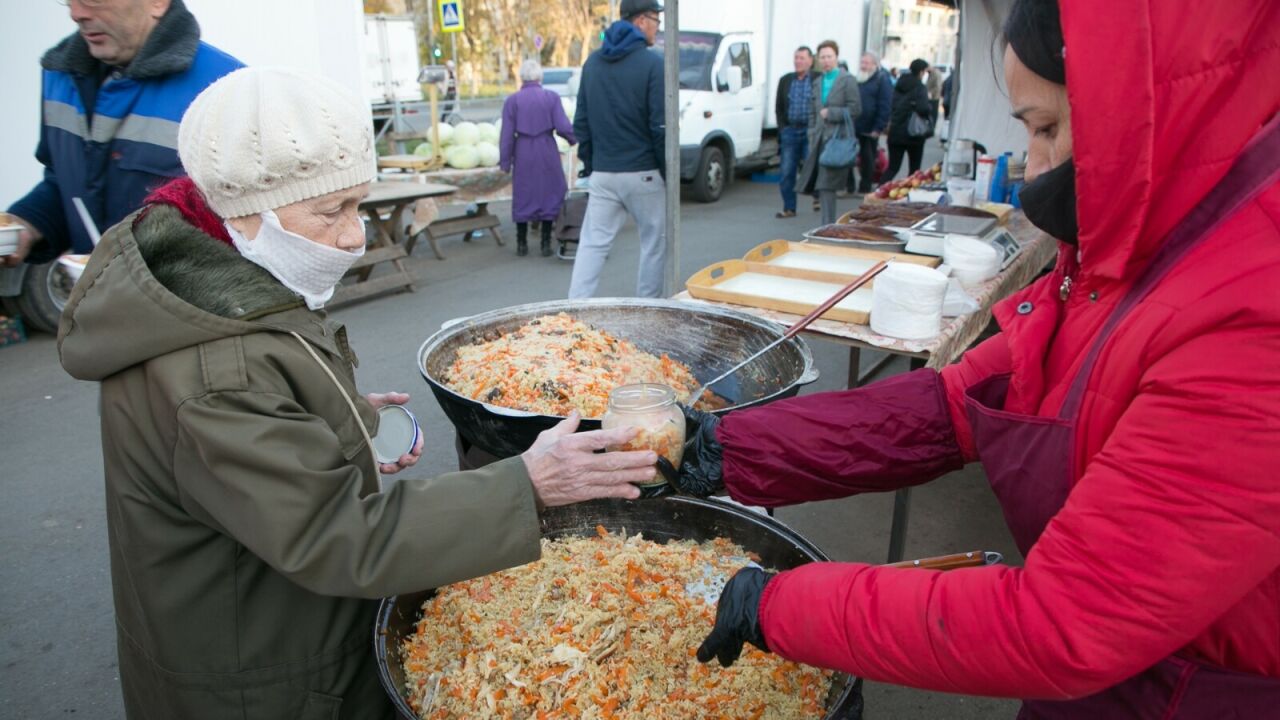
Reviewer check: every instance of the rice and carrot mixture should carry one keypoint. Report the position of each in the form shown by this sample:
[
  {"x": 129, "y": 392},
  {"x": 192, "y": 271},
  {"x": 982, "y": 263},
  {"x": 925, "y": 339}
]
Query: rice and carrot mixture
[
  {"x": 555, "y": 364},
  {"x": 601, "y": 629}
]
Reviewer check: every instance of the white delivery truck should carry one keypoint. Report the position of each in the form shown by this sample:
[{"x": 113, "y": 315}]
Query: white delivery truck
[{"x": 732, "y": 54}]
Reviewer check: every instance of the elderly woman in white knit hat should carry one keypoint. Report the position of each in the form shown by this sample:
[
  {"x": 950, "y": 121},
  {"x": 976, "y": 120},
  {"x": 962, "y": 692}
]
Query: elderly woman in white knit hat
[{"x": 249, "y": 530}]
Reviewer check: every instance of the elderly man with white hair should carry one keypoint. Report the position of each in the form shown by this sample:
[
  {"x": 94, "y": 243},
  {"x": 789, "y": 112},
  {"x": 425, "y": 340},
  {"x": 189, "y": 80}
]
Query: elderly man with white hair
[
  {"x": 529, "y": 153},
  {"x": 249, "y": 529},
  {"x": 876, "y": 89}
]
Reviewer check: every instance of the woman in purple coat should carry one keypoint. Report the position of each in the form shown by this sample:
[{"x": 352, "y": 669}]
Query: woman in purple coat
[{"x": 529, "y": 152}]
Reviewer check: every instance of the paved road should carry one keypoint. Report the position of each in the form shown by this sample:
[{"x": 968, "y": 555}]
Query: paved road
[{"x": 58, "y": 654}]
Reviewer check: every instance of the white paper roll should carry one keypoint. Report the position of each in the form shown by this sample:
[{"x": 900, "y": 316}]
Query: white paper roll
[
  {"x": 906, "y": 301},
  {"x": 971, "y": 260}
]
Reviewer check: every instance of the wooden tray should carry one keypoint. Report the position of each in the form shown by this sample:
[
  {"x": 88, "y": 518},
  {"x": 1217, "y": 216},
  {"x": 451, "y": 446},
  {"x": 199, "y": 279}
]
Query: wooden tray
[
  {"x": 828, "y": 263},
  {"x": 419, "y": 163},
  {"x": 789, "y": 290}
]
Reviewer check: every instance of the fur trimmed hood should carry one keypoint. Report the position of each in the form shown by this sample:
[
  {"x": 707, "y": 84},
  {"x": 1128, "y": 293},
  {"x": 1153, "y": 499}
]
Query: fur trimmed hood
[{"x": 157, "y": 284}]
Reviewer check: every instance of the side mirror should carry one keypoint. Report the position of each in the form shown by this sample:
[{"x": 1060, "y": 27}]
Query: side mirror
[
  {"x": 729, "y": 79},
  {"x": 433, "y": 74}
]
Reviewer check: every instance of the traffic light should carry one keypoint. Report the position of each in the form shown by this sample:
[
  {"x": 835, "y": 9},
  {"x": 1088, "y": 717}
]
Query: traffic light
[{"x": 437, "y": 52}]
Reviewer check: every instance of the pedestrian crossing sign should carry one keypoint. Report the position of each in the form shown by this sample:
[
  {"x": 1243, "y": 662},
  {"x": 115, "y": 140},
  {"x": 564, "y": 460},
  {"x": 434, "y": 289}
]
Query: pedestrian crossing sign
[{"x": 451, "y": 16}]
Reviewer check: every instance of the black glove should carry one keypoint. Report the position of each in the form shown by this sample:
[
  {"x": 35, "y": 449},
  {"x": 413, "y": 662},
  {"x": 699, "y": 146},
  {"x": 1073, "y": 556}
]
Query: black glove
[
  {"x": 700, "y": 469},
  {"x": 737, "y": 617}
]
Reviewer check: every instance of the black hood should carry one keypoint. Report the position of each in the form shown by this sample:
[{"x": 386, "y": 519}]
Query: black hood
[{"x": 908, "y": 83}]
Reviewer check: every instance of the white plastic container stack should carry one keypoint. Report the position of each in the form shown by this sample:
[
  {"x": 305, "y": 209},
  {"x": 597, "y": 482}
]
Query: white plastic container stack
[
  {"x": 971, "y": 260},
  {"x": 906, "y": 301}
]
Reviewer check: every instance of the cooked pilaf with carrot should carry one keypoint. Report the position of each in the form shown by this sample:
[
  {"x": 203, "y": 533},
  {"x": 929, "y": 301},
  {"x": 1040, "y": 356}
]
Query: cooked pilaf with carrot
[
  {"x": 601, "y": 629},
  {"x": 555, "y": 364}
]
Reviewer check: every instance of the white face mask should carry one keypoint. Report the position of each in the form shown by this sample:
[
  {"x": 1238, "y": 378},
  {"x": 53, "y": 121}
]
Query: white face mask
[{"x": 308, "y": 268}]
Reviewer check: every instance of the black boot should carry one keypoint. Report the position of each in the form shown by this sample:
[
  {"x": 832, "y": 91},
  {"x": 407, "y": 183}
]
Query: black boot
[
  {"x": 522, "y": 239},
  {"x": 546, "y": 239}
]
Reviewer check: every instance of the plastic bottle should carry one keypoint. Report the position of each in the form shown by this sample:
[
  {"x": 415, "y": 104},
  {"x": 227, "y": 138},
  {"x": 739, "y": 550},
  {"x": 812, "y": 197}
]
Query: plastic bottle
[
  {"x": 999, "y": 179},
  {"x": 1017, "y": 172},
  {"x": 982, "y": 180}
]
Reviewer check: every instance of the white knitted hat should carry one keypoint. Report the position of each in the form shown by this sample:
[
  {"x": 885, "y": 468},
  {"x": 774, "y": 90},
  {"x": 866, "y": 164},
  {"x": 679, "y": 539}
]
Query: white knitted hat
[{"x": 262, "y": 138}]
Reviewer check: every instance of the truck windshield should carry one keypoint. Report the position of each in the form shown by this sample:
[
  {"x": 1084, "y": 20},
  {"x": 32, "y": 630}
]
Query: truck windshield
[{"x": 697, "y": 53}]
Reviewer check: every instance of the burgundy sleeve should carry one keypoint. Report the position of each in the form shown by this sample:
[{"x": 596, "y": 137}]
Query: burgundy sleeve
[{"x": 887, "y": 435}]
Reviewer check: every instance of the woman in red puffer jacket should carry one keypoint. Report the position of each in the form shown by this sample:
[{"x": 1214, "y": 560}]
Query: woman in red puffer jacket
[{"x": 1128, "y": 416}]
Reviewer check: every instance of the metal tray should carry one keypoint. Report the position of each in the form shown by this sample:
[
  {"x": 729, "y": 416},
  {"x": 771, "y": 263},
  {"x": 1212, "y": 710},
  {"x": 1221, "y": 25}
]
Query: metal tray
[{"x": 888, "y": 247}]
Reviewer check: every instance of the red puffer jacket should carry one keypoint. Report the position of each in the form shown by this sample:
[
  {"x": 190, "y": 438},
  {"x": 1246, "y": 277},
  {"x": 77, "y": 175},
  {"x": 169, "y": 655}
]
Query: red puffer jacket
[{"x": 1170, "y": 538}]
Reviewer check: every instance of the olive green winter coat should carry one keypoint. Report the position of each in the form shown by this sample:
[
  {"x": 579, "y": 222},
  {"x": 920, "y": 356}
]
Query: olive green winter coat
[{"x": 249, "y": 538}]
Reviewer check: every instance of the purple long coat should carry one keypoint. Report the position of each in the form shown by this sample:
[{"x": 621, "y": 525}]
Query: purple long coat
[{"x": 529, "y": 152}]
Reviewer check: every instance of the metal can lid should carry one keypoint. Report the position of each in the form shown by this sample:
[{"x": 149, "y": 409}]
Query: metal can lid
[{"x": 397, "y": 433}]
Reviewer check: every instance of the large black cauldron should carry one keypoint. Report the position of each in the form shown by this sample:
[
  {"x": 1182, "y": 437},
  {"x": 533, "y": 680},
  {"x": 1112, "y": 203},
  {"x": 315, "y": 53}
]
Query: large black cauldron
[
  {"x": 671, "y": 518},
  {"x": 709, "y": 340}
]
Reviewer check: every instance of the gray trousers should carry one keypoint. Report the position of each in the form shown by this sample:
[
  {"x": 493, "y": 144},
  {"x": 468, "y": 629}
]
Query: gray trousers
[
  {"x": 828, "y": 200},
  {"x": 614, "y": 196}
]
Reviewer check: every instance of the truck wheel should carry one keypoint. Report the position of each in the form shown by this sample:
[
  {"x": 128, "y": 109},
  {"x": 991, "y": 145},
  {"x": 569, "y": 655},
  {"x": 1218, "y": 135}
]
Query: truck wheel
[
  {"x": 45, "y": 290},
  {"x": 709, "y": 183}
]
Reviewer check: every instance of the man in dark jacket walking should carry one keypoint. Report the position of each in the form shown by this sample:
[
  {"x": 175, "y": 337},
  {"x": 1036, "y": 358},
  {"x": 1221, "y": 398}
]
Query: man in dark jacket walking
[
  {"x": 795, "y": 94},
  {"x": 113, "y": 95},
  {"x": 876, "y": 90},
  {"x": 621, "y": 129}
]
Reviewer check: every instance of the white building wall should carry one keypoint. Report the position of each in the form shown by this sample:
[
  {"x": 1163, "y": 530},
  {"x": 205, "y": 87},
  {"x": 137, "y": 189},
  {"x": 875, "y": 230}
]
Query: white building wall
[
  {"x": 30, "y": 29},
  {"x": 919, "y": 30}
]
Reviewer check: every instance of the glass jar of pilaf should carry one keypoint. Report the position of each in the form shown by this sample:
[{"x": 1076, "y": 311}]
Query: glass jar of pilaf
[{"x": 652, "y": 408}]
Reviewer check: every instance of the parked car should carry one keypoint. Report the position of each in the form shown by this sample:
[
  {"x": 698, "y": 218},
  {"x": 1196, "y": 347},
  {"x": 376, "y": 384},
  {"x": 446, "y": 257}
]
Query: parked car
[{"x": 563, "y": 80}]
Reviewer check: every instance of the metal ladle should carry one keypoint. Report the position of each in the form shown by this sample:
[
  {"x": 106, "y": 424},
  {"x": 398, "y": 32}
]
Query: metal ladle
[{"x": 795, "y": 329}]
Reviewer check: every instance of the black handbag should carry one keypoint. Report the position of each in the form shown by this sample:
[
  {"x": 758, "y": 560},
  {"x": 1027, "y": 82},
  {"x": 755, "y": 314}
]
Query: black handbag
[
  {"x": 918, "y": 127},
  {"x": 841, "y": 151}
]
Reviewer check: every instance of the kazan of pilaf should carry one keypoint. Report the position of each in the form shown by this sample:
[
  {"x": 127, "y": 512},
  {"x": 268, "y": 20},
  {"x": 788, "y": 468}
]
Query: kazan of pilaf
[
  {"x": 599, "y": 628},
  {"x": 555, "y": 364}
]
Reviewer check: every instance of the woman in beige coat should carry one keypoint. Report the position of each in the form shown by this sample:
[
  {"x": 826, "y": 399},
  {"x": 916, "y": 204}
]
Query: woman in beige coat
[{"x": 835, "y": 100}]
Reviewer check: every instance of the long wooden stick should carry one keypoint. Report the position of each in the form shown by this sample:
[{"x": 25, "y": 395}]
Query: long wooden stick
[{"x": 976, "y": 558}]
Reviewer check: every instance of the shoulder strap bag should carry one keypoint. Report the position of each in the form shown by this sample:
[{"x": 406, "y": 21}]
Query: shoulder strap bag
[{"x": 841, "y": 151}]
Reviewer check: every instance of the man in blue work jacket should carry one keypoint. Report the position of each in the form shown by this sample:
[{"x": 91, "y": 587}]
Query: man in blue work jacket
[{"x": 113, "y": 93}]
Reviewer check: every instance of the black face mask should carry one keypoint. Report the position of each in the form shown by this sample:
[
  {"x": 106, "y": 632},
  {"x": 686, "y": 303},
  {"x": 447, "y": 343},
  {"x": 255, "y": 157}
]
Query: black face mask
[{"x": 1049, "y": 202}]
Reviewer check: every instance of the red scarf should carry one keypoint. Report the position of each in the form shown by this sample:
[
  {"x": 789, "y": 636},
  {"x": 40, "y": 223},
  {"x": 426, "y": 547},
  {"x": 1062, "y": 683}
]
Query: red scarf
[{"x": 183, "y": 194}]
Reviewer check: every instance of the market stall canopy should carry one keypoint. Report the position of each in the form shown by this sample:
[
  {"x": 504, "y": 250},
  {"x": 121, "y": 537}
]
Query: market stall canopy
[{"x": 981, "y": 109}]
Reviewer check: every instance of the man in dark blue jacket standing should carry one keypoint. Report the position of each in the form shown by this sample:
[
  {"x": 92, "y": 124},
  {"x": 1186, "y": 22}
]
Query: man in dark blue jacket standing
[
  {"x": 620, "y": 124},
  {"x": 876, "y": 89},
  {"x": 113, "y": 94},
  {"x": 792, "y": 109}
]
